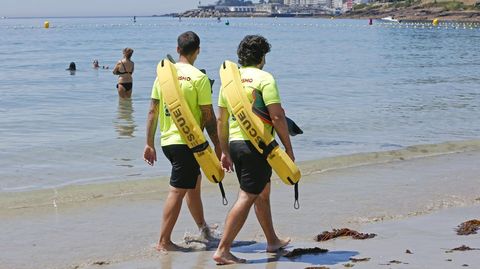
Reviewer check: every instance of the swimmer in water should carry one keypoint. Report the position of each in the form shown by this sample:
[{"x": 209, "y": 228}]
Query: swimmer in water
[{"x": 124, "y": 69}]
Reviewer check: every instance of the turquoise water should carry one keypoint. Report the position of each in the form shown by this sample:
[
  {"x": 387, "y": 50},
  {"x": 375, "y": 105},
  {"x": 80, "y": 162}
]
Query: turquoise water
[{"x": 351, "y": 87}]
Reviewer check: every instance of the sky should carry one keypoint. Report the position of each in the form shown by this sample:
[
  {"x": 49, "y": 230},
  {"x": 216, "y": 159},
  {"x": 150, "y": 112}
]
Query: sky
[{"x": 55, "y": 8}]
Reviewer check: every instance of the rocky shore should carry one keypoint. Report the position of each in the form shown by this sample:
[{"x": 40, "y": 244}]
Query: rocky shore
[
  {"x": 199, "y": 13},
  {"x": 416, "y": 11}
]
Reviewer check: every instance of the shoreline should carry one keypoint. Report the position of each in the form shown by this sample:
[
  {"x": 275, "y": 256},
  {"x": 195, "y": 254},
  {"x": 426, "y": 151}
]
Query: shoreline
[
  {"x": 386, "y": 198},
  {"x": 426, "y": 16},
  {"x": 75, "y": 193}
]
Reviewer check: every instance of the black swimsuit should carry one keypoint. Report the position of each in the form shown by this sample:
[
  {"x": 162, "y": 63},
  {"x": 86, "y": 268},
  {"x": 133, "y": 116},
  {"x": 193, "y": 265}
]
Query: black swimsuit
[
  {"x": 124, "y": 68},
  {"x": 127, "y": 85}
]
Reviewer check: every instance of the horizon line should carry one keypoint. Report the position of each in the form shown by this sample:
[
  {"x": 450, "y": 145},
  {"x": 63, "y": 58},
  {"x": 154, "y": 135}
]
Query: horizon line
[{"x": 88, "y": 16}]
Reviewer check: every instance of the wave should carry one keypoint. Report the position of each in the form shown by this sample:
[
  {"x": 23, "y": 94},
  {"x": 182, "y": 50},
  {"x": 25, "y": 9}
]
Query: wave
[{"x": 411, "y": 152}]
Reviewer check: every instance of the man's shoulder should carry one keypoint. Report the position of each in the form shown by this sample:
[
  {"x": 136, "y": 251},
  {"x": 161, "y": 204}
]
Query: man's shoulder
[
  {"x": 260, "y": 74},
  {"x": 190, "y": 72}
]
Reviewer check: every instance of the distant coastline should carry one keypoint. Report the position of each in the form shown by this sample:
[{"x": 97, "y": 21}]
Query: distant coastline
[
  {"x": 417, "y": 11},
  {"x": 408, "y": 10}
]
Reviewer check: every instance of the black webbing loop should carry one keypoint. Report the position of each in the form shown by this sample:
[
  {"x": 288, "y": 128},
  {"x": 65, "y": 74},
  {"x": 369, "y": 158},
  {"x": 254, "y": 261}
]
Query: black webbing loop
[
  {"x": 296, "y": 204},
  {"x": 200, "y": 147},
  {"x": 267, "y": 149},
  {"x": 225, "y": 201}
]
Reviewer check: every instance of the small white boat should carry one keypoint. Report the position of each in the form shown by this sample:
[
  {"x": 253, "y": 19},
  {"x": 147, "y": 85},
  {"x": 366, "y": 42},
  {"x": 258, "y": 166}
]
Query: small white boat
[{"x": 389, "y": 19}]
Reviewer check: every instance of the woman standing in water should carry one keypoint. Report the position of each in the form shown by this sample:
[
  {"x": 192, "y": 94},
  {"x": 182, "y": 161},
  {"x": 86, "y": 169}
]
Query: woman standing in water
[{"x": 124, "y": 70}]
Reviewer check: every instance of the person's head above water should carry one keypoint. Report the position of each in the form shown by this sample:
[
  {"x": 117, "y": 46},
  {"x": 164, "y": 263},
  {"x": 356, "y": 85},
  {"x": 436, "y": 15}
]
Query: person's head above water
[
  {"x": 188, "y": 44},
  {"x": 127, "y": 52},
  {"x": 95, "y": 64},
  {"x": 72, "y": 67},
  {"x": 252, "y": 50}
]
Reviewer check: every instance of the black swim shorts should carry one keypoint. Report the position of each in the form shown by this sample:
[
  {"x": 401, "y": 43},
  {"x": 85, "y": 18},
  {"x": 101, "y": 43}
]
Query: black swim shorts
[
  {"x": 185, "y": 169},
  {"x": 253, "y": 170}
]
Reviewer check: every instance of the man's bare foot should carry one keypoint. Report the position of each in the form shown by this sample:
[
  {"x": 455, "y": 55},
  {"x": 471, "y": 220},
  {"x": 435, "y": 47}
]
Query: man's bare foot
[
  {"x": 168, "y": 246},
  {"x": 279, "y": 244},
  {"x": 226, "y": 258}
]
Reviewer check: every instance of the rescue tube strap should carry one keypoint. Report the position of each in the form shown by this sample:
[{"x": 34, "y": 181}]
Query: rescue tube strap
[
  {"x": 267, "y": 149},
  {"x": 224, "y": 201},
  {"x": 200, "y": 148},
  {"x": 296, "y": 204}
]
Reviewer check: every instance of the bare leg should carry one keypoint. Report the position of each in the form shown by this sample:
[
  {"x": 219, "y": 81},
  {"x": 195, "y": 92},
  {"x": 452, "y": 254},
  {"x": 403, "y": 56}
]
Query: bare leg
[
  {"x": 235, "y": 220},
  {"x": 194, "y": 202},
  {"x": 264, "y": 216},
  {"x": 171, "y": 210},
  {"x": 121, "y": 91},
  {"x": 128, "y": 94}
]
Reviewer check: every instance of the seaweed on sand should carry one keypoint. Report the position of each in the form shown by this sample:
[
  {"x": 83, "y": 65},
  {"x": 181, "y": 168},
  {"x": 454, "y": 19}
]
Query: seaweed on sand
[
  {"x": 468, "y": 227},
  {"x": 326, "y": 235},
  {"x": 394, "y": 262},
  {"x": 101, "y": 263},
  {"x": 461, "y": 248},
  {"x": 302, "y": 251}
]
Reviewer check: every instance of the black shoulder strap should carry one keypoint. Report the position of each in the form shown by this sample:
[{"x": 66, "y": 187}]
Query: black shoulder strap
[{"x": 124, "y": 68}]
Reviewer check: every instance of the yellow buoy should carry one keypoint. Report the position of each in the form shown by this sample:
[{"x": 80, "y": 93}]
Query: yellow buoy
[
  {"x": 435, "y": 22},
  {"x": 46, "y": 24}
]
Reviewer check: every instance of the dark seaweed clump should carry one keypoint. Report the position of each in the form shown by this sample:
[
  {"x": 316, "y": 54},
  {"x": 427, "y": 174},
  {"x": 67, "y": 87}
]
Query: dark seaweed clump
[
  {"x": 302, "y": 251},
  {"x": 326, "y": 235},
  {"x": 468, "y": 227}
]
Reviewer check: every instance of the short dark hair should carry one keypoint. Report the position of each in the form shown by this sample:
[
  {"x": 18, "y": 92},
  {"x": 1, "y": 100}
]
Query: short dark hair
[
  {"x": 188, "y": 43},
  {"x": 252, "y": 49}
]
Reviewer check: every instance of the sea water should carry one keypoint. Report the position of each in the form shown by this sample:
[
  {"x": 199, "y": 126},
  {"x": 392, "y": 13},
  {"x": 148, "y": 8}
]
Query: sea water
[{"x": 351, "y": 87}]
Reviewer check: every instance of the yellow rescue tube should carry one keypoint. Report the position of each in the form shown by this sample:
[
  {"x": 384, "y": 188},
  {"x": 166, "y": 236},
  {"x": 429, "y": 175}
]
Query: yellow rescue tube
[
  {"x": 46, "y": 24},
  {"x": 435, "y": 22},
  {"x": 183, "y": 118},
  {"x": 253, "y": 126}
]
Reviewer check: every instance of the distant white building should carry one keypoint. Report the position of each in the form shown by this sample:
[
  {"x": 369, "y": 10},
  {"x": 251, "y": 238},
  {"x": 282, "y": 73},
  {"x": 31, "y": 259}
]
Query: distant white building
[
  {"x": 304, "y": 2},
  {"x": 361, "y": 1},
  {"x": 267, "y": 8},
  {"x": 337, "y": 4},
  {"x": 241, "y": 8}
]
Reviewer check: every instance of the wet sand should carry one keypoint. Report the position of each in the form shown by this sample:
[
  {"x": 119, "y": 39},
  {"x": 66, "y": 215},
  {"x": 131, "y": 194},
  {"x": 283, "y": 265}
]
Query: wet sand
[{"x": 410, "y": 204}]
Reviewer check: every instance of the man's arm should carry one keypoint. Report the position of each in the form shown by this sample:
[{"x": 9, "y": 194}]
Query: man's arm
[
  {"x": 277, "y": 114},
  {"x": 223, "y": 133},
  {"x": 149, "y": 154},
  {"x": 209, "y": 121}
]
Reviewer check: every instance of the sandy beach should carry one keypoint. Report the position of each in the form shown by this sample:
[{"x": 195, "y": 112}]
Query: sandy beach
[
  {"x": 410, "y": 201},
  {"x": 391, "y": 143}
]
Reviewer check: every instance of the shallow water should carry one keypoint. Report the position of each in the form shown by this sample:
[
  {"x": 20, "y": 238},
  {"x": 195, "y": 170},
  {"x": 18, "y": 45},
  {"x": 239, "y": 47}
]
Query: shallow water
[{"x": 351, "y": 87}]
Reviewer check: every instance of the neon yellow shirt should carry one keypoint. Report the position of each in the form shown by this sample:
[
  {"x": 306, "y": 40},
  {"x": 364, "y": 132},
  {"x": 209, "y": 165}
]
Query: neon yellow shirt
[
  {"x": 252, "y": 78},
  {"x": 197, "y": 92}
]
